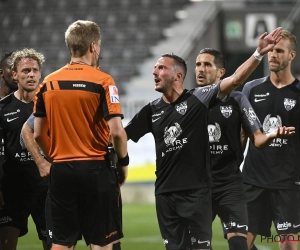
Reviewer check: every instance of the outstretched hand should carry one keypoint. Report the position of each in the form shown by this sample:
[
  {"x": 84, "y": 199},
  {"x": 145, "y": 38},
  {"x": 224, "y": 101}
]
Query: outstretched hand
[
  {"x": 283, "y": 132},
  {"x": 266, "y": 42}
]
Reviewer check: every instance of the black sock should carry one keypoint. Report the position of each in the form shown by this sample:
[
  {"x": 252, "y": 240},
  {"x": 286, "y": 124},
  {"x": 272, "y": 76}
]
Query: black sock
[
  {"x": 238, "y": 243},
  {"x": 117, "y": 246}
]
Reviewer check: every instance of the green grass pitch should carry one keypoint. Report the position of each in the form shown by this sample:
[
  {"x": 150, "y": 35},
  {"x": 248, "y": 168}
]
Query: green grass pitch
[{"x": 141, "y": 232}]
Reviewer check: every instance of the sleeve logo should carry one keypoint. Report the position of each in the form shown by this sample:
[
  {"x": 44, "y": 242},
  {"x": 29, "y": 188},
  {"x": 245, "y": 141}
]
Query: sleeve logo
[{"x": 114, "y": 94}]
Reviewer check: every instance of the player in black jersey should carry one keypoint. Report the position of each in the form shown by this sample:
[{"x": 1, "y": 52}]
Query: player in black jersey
[
  {"x": 7, "y": 85},
  {"x": 24, "y": 191},
  {"x": 224, "y": 127},
  {"x": 178, "y": 122},
  {"x": 271, "y": 175}
]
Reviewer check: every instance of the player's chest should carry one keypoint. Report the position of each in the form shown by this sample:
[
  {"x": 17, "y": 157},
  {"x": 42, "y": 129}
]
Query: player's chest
[
  {"x": 14, "y": 117},
  {"x": 225, "y": 113},
  {"x": 178, "y": 116},
  {"x": 276, "y": 101}
]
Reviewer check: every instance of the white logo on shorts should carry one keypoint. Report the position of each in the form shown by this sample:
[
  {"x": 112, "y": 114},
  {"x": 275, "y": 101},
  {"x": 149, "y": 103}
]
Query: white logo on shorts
[
  {"x": 205, "y": 241},
  {"x": 284, "y": 225}
]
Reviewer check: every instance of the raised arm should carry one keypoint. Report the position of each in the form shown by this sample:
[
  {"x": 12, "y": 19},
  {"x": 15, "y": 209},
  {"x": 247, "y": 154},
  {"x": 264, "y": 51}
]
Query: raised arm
[{"x": 266, "y": 42}]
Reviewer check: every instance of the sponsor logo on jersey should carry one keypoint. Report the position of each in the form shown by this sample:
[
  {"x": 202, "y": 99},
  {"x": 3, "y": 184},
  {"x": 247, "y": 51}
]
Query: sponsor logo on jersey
[
  {"x": 289, "y": 104},
  {"x": 79, "y": 85},
  {"x": 12, "y": 113},
  {"x": 154, "y": 120},
  {"x": 262, "y": 95},
  {"x": 226, "y": 111},
  {"x": 114, "y": 94},
  {"x": 214, "y": 135},
  {"x": 259, "y": 100},
  {"x": 214, "y": 132},
  {"x": 12, "y": 119},
  {"x": 158, "y": 114},
  {"x": 181, "y": 108},
  {"x": 172, "y": 133},
  {"x": 271, "y": 123},
  {"x": 155, "y": 116},
  {"x": 250, "y": 115},
  {"x": 170, "y": 137}
]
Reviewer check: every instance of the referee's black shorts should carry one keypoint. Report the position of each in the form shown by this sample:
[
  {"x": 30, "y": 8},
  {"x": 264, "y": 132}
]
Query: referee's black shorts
[{"x": 84, "y": 198}]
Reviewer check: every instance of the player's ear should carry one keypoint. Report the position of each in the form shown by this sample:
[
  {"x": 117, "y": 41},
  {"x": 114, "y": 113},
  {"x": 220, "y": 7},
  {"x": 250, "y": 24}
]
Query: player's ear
[
  {"x": 14, "y": 75},
  {"x": 292, "y": 55},
  {"x": 221, "y": 72}
]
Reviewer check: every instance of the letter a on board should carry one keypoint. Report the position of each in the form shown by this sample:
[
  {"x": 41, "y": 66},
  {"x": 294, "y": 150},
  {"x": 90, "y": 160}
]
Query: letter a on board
[{"x": 256, "y": 24}]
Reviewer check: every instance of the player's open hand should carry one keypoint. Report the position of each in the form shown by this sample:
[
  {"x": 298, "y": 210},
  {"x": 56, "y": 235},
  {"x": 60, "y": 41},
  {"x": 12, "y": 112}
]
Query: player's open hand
[
  {"x": 266, "y": 42},
  {"x": 283, "y": 132}
]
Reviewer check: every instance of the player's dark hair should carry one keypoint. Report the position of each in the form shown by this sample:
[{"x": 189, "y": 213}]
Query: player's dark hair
[
  {"x": 4, "y": 57},
  {"x": 219, "y": 59},
  {"x": 179, "y": 62}
]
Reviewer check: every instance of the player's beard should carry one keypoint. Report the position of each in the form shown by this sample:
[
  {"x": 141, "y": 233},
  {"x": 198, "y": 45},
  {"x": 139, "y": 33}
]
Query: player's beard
[
  {"x": 167, "y": 83},
  {"x": 280, "y": 67}
]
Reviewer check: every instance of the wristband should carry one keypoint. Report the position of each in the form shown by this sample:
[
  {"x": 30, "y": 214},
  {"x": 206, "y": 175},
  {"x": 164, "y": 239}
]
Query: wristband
[
  {"x": 124, "y": 161},
  {"x": 258, "y": 56}
]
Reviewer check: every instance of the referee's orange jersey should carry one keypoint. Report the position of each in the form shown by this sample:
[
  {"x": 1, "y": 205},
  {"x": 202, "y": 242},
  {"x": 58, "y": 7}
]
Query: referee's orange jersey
[{"x": 77, "y": 101}]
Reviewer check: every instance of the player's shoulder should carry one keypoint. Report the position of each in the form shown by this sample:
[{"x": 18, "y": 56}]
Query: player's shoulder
[
  {"x": 6, "y": 100},
  {"x": 256, "y": 82},
  {"x": 155, "y": 102}
]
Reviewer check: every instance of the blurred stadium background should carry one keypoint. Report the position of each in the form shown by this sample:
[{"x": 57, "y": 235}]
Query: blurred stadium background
[{"x": 134, "y": 34}]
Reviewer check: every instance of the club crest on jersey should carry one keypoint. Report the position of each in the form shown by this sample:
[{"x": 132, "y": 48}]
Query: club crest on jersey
[
  {"x": 114, "y": 94},
  {"x": 271, "y": 123},
  {"x": 289, "y": 104},
  {"x": 214, "y": 132},
  {"x": 250, "y": 115},
  {"x": 226, "y": 111},
  {"x": 181, "y": 108},
  {"x": 172, "y": 133}
]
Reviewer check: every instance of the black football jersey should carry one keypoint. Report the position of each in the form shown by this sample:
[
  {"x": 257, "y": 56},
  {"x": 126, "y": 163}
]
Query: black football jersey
[
  {"x": 225, "y": 120},
  {"x": 19, "y": 164},
  {"x": 181, "y": 139},
  {"x": 276, "y": 166}
]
